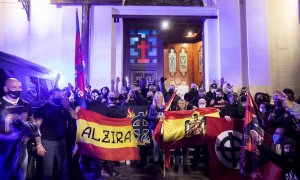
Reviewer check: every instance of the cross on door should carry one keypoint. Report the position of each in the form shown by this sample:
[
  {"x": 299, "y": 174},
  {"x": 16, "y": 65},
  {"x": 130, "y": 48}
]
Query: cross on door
[{"x": 143, "y": 47}]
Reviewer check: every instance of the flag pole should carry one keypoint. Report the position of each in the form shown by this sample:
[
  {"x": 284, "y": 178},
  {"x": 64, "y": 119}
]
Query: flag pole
[
  {"x": 168, "y": 105},
  {"x": 164, "y": 151}
]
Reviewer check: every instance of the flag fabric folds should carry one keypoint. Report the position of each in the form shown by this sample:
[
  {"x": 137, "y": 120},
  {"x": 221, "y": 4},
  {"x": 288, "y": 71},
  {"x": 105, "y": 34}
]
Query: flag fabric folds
[
  {"x": 79, "y": 60},
  {"x": 249, "y": 155},
  {"x": 251, "y": 164},
  {"x": 181, "y": 129},
  {"x": 105, "y": 138},
  {"x": 224, "y": 139},
  {"x": 168, "y": 105}
]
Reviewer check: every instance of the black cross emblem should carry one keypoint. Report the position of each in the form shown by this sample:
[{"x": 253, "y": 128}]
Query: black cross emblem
[
  {"x": 141, "y": 128},
  {"x": 233, "y": 149}
]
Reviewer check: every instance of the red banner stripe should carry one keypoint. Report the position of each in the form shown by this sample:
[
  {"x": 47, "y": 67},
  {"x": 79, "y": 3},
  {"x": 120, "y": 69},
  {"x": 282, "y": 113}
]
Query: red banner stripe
[
  {"x": 95, "y": 118},
  {"x": 110, "y": 154},
  {"x": 175, "y": 115}
]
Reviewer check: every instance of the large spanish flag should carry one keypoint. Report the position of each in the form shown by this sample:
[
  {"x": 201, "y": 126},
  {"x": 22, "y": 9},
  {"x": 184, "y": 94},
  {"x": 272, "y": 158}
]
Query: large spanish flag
[
  {"x": 182, "y": 129},
  {"x": 105, "y": 138}
]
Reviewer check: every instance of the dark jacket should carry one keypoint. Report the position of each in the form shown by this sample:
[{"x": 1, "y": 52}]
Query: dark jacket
[
  {"x": 290, "y": 166},
  {"x": 152, "y": 116}
]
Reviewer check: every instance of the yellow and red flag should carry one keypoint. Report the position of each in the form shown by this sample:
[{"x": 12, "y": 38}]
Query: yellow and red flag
[
  {"x": 168, "y": 105},
  {"x": 105, "y": 138},
  {"x": 182, "y": 129}
]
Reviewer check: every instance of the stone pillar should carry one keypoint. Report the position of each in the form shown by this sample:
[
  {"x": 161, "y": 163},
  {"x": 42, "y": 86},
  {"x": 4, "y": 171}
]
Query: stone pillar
[
  {"x": 211, "y": 51},
  {"x": 102, "y": 47},
  {"x": 257, "y": 45},
  {"x": 230, "y": 42}
]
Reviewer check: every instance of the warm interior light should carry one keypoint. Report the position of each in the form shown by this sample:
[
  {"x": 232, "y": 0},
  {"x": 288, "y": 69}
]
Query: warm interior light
[{"x": 191, "y": 34}]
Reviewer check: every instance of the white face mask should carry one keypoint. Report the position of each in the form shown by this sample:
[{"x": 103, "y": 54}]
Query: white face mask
[
  {"x": 201, "y": 105},
  {"x": 213, "y": 90}
]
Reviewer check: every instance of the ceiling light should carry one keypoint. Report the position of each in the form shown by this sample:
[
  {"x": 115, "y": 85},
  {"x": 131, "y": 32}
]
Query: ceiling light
[
  {"x": 165, "y": 25},
  {"x": 191, "y": 34}
]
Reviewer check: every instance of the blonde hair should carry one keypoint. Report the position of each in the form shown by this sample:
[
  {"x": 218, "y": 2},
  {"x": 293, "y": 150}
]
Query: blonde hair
[{"x": 157, "y": 93}]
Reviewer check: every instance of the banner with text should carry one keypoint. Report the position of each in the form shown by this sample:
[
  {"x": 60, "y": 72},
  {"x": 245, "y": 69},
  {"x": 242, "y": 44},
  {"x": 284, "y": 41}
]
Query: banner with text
[{"x": 105, "y": 138}]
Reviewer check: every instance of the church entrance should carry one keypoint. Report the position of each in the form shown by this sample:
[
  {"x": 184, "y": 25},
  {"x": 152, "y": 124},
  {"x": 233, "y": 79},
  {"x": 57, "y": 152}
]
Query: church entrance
[{"x": 153, "y": 49}]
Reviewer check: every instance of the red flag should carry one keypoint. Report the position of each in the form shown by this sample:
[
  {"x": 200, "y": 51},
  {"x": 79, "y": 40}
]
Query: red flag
[
  {"x": 249, "y": 156},
  {"x": 79, "y": 59},
  {"x": 105, "y": 138},
  {"x": 224, "y": 140},
  {"x": 251, "y": 165}
]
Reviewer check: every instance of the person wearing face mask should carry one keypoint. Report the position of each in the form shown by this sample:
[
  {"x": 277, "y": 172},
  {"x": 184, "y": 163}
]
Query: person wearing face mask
[
  {"x": 113, "y": 109},
  {"x": 138, "y": 98},
  {"x": 101, "y": 108},
  {"x": 169, "y": 93},
  {"x": 52, "y": 118},
  {"x": 288, "y": 160},
  {"x": 201, "y": 95},
  {"x": 192, "y": 93},
  {"x": 150, "y": 97},
  {"x": 130, "y": 100},
  {"x": 16, "y": 127},
  {"x": 218, "y": 102},
  {"x": 264, "y": 109},
  {"x": 233, "y": 109},
  {"x": 228, "y": 89},
  {"x": 202, "y": 103},
  {"x": 212, "y": 93},
  {"x": 124, "y": 94},
  {"x": 287, "y": 118},
  {"x": 147, "y": 85},
  {"x": 278, "y": 138},
  {"x": 73, "y": 166},
  {"x": 111, "y": 99}
]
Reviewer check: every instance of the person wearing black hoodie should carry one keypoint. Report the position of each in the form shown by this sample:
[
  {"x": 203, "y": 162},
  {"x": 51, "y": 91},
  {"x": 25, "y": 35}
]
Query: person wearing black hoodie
[
  {"x": 288, "y": 160},
  {"x": 192, "y": 93}
]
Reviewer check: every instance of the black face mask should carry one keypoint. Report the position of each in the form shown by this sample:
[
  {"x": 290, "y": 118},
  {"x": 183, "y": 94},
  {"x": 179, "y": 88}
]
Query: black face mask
[
  {"x": 14, "y": 94},
  {"x": 112, "y": 99},
  {"x": 218, "y": 98},
  {"x": 278, "y": 103},
  {"x": 194, "y": 90},
  {"x": 57, "y": 101},
  {"x": 150, "y": 99},
  {"x": 171, "y": 91},
  {"x": 243, "y": 99}
]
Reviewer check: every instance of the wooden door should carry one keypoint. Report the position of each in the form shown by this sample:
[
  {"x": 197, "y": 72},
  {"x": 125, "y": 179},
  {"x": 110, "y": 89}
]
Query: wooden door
[{"x": 193, "y": 72}]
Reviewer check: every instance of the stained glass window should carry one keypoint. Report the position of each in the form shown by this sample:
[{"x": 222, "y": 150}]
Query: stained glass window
[{"x": 143, "y": 46}]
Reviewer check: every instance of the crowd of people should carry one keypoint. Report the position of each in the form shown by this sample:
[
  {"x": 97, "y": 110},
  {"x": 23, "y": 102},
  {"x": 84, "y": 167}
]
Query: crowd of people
[{"x": 34, "y": 145}]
